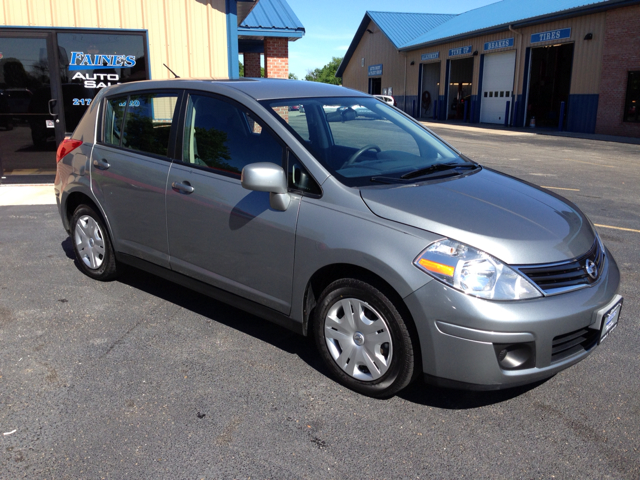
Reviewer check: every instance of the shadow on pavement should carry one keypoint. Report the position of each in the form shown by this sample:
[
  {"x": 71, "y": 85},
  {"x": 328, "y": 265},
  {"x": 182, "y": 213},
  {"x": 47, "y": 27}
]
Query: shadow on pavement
[
  {"x": 290, "y": 342},
  {"x": 449, "y": 399},
  {"x": 246, "y": 323}
]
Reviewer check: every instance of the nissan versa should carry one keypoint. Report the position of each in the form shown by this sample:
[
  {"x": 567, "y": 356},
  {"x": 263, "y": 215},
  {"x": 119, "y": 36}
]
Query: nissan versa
[{"x": 343, "y": 219}]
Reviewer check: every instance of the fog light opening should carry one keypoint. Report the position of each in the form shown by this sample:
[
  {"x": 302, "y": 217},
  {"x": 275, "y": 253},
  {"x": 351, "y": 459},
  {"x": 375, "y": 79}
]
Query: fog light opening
[{"x": 515, "y": 356}]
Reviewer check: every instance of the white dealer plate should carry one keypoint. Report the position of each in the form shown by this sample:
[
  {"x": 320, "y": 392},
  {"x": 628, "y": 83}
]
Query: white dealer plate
[{"x": 610, "y": 320}]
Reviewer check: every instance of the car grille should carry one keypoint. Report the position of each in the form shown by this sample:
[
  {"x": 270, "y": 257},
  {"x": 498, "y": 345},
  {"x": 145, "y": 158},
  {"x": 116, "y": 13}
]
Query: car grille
[
  {"x": 564, "y": 346},
  {"x": 566, "y": 276}
]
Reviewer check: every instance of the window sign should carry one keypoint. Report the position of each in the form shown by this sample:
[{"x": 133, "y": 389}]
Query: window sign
[
  {"x": 504, "y": 43},
  {"x": 551, "y": 35},
  {"x": 375, "y": 70},
  {"x": 460, "y": 51},
  {"x": 89, "y": 62},
  {"x": 430, "y": 56}
]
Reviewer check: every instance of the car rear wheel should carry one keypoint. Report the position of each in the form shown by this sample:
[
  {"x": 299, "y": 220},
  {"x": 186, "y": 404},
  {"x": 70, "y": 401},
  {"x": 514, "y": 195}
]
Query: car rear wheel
[
  {"x": 363, "y": 339},
  {"x": 92, "y": 244}
]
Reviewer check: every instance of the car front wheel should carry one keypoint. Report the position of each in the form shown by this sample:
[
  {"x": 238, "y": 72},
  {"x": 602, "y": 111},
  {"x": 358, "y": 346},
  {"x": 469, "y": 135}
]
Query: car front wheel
[
  {"x": 92, "y": 244},
  {"x": 363, "y": 339}
]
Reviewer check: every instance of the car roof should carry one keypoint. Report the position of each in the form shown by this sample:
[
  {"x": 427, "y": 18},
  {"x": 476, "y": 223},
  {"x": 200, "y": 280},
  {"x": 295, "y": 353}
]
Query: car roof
[{"x": 258, "y": 88}]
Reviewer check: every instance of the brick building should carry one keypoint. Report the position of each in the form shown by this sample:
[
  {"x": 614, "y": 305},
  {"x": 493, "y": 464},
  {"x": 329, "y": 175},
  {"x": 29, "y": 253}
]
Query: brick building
[
  {"x": 619, "y": 105},
  {"x": 563, "y": 64},
  {"x": 266, "y": 32}
]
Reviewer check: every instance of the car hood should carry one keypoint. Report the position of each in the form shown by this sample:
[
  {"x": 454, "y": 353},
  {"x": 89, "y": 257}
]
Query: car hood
[{"x": 514, "y": 221}]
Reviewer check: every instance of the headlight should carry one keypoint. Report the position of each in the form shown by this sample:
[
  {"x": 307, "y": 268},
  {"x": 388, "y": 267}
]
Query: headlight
[{"x": 474, "y": 272}]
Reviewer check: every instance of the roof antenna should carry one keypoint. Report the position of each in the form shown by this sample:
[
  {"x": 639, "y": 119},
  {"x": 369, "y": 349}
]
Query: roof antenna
[{"x": 174, "y": 73}]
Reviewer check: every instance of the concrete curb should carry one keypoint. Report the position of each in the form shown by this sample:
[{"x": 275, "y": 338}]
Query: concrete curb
[{"x": 11, "y": 195}]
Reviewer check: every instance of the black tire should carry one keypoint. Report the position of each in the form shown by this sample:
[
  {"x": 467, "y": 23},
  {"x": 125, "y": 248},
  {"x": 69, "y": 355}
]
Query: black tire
[
  {"x": 376, "y": 306},
  {"x": 92, "y": 245}
]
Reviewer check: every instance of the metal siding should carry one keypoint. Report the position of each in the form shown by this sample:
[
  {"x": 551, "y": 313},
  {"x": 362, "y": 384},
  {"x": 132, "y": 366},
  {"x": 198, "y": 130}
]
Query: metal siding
[
  {"x": 583, "y": 112},
  {"x": 176, "y": 29},
  {"x": 587, "y": 61},
  {"x": 585, "y": 78},
  {"x": 131, "y": 14},
  {"x": 86, "y": 13},
  {"x": 198, "y": 47},
  {"x": 377, "y": 47},
  {"x": 412, "y": 84},
  {"x": 187, "y": 35},
  {"x": 63, "y": 14},
  {"x": 108, "y": 16},
  {"x": 587, "y": 54},
  {"x": 17, "y": 13},
  {"x": 39, "y": 12},
  {"x": 218, "y": 39}
]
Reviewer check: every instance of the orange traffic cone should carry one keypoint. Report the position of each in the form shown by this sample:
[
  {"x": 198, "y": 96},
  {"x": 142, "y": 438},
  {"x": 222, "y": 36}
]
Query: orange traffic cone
[{"x": 532, "y": 123}]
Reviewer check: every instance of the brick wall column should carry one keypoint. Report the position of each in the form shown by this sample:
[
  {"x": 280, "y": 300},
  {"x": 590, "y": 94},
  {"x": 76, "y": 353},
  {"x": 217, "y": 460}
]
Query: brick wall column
[
  {"x": 251, "y": 65},
  {"x": 276, "y": 57},
  {"x": 621, "y": 54}
]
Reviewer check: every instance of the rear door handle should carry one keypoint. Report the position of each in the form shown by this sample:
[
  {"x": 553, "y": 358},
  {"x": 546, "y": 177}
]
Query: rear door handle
[
  {"x": 182, "y": 187},
  {"x": 101, "y": 164}
]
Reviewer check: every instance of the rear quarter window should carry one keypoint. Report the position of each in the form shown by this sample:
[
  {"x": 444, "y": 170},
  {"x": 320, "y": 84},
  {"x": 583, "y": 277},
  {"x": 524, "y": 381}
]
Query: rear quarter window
[{"x": 140, "y": 122}]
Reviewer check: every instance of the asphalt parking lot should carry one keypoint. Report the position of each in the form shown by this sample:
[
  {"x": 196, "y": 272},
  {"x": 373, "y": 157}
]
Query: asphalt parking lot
[{"x": 140, "y": 378}]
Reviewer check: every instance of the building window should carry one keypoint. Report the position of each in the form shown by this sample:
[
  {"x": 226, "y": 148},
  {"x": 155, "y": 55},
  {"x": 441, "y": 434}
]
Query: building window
[{"x": 632, "y": 104}]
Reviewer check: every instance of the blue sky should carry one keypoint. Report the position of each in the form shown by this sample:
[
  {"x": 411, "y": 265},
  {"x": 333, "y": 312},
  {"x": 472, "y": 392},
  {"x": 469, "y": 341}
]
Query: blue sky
[{"x": 331, "y": 24}]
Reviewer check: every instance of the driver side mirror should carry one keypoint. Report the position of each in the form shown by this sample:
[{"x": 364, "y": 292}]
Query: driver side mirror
[{"x": 267, "y": 177}]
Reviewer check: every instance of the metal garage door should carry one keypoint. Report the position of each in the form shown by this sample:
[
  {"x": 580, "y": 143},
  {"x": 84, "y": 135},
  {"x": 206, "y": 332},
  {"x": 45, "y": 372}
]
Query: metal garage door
[{"x": 497, "y": 85}]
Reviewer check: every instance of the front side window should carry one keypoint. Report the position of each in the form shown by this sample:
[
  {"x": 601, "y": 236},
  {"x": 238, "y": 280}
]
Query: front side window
[
  {"x": 221, "y": 137},
  {"x": 632, "y": 103},
  {"x": 362, "y": 141}
]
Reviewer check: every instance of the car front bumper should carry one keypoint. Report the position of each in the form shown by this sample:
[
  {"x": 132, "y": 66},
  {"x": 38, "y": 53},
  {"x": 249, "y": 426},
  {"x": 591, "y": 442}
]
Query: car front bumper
[{"x": 460, "y": 335}]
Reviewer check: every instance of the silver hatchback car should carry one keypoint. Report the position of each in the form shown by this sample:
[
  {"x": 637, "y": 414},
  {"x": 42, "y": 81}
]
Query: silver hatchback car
[{"x": 344, "y": 219}]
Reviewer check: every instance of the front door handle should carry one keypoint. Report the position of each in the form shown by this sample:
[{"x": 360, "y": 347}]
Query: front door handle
[
  {"x": 101, "y": 164},
  {"x": 182, "y": 187}
]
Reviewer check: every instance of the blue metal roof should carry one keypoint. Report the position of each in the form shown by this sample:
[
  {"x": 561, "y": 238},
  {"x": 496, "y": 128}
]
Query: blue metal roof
[
  {"x": 498, "y": 14},
  {"x": 398, "y": 27},
  {"x": 272, "y": 18},
  {"x": 401, "y": 28}
]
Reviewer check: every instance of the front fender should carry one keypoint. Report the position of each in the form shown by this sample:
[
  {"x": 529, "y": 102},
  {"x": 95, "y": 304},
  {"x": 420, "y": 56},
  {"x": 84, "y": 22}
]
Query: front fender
[{"x": 327, "y": 236}]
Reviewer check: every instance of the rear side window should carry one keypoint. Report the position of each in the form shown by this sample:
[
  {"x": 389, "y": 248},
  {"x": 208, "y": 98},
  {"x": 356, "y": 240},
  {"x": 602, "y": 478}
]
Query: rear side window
[
  {"x": 140, "y": 122},
  {"x": 114, "y": 113},
  {"x": 147, "y": 123}
]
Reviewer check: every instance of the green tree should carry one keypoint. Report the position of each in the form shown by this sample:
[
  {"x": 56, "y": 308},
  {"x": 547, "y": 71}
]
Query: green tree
[
  {"x": 326, "y": 74},
  {"x": 293, "y": 76}
]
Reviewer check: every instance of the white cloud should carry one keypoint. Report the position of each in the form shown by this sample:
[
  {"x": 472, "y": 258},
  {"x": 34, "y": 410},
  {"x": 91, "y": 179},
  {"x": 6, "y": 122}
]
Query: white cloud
[{"x": 343, "y": 48}]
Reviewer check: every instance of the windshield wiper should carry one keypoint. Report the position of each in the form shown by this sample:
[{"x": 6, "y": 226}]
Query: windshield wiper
[{"x": 438, "y": 167}]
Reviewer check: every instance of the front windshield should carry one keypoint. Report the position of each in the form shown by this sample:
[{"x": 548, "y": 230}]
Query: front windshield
[{"x": 361, "y": 140}]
